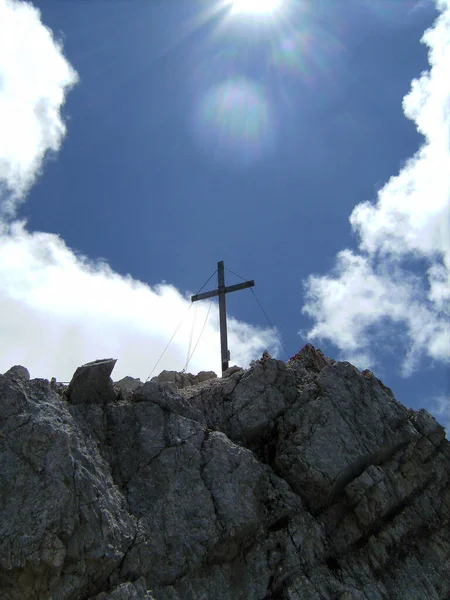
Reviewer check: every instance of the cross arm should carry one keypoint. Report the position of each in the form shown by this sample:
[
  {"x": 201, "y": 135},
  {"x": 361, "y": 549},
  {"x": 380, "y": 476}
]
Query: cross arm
[
  {"x": 227, "y": 289},
  {"x": 239, "y": 286},
  {"x": 204, "y": 295}
]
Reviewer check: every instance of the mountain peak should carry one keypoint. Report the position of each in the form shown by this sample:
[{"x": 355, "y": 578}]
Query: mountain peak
[{"x": 304, "y": 479}]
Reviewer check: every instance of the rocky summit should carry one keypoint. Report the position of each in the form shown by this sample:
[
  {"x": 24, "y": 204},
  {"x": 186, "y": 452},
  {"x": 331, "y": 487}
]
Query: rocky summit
[{"x": 303, "y": 480}]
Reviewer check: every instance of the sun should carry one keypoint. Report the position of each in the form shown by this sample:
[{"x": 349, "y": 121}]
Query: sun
[{"x": 255, "y": 7}]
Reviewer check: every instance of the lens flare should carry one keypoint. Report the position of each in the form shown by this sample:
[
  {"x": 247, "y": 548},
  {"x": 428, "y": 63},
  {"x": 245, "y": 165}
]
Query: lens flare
[
  {"x": 255, "y": 7},
  {"x": 234, "y": 122}
]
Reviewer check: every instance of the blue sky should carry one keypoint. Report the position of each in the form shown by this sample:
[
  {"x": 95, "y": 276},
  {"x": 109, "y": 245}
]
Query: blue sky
[{"x": 145, "y": 140}]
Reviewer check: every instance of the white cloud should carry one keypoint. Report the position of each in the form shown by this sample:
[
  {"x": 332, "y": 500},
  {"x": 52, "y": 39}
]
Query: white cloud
[
  {"x": 59, "y": 309},
  {"x": 34, "y": 77},
  {"x": 385, "y": 283}
]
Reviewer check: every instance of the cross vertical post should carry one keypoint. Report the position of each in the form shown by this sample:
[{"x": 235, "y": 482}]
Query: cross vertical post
[
  {"x": 221, "y": 290},
  {"x": 224, "y": 352}
]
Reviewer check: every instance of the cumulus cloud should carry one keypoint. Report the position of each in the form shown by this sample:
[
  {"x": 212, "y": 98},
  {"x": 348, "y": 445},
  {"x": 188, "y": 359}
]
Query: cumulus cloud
[
  {"x": 34, "y": 78},
  {"x": 400, "y": 275},
  {"x": 59, "y": 309}
]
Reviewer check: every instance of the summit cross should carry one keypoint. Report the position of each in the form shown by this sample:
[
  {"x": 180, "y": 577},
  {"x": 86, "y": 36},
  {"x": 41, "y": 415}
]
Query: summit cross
[{"x": 221, "y": 290}]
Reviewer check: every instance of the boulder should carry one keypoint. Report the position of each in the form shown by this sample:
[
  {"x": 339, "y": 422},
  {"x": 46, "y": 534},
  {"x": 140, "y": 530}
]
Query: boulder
[{"x": 92, "y": 384}]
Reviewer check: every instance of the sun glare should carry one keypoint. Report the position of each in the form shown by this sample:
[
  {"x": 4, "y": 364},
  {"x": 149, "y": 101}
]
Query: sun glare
[{"x": 255, "y": 7}]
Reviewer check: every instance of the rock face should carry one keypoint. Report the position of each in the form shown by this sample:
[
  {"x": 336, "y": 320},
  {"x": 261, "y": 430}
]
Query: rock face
[
  {"x": 304, "y": 480},
  {"x": 182, "y": 380}
]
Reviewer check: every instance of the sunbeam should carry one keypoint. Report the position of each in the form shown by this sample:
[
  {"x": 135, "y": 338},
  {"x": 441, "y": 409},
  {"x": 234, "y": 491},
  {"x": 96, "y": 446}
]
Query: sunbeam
[{"x": 255, "y": 7}]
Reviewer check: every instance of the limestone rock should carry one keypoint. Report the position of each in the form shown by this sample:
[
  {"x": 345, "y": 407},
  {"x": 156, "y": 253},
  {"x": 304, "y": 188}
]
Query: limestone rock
[
  {"x": 18, "y": 373},
  {"x": 166, "y": 396},
  {"x": 310, "y": 358},
  {"x": 63, "y": 526},
  {"x": 231, "y": 371},
  {"x": 92, "y": 384},
  {"x": 289, "y": 481},
  {"x": 127, "y": 591},
  {"x": 205, "y": 376},
  {"x": 246, "y": 404},
  {"x": 126, "y": 386},
  {"x": 183, "y": 380}
]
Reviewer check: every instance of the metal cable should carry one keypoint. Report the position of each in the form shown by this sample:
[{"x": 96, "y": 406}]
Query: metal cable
[
  {"x": 169, "y": 342},
  {"x": 270, "y": 324},
  {"x": 233, "y": 273},
  {"x": 178, "y": 327},
  {"x": 194, "y": 318},
  {"x": 206, "y": 283},
  {"x": 264, "y": 312},
  {"x": 200, "y": 336}
]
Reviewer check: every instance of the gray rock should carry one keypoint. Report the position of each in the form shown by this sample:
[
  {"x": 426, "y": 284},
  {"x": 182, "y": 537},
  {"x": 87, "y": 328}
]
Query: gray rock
[
  {"x": 167, "y": 397},
  {"x": 92, "y": 384},
  {"x": 127, "y": 591},
  {"x": 205, "y": 376},
  {"x": 178, "y": 379},
  {"x": 183, "y": 380},
  {"x": 63, "y": 528},
  {"x": 231, "y": 371},
  {"x": 343, "y": 411},
  {"x": 126, "y": 387},
  {"x": 246, "y": 404},
  {"x": 427, "y": 425},
  {"x": 310, "y": 359},
  {"x": 305, "y": 480},
  {"x": 18, "y": 373}
]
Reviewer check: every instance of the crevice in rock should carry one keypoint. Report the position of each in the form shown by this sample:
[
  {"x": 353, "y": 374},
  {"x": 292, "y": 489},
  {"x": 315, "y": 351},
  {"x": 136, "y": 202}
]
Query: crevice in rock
[
  {"x": 332, "y": 563},
  {"x": 205, "y": 483},
  {"x": 392, "y": 514},
  {"x": 279, "y": 525},
  {"x": 265, "y": 447},
  {"x": 356, "y": 470}
]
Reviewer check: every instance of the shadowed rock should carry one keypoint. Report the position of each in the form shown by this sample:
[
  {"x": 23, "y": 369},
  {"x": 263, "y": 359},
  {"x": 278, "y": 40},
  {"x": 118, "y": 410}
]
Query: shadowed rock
[
  {"x": 92, "y": 384},
  {"x": 127, "y": 591},
  {"x": 304, "y": 480}
]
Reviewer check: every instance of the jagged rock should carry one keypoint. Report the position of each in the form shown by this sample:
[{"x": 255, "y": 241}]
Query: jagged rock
[
  {"x": 344, "y": 410},
  {"x": 18, "y": 373},
  {"x": 63, "y": 526},
  {"x": 245, "y": 405},
  {"x": 305, "y": 480},
  {"x": 92, "y": 384},
  {"x": 205, "y": 376},
  {"x": 166, "y": 396},
  {"x": 231, "y": 371},
  {"x": 309, "y": 359},
  {"x": 183, "y": 380},
  {"x": 427, "y": 425},
  {"x": 126, "y": 387}
]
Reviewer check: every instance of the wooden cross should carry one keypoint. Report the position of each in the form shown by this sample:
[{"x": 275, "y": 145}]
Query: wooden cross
[{"x": 221, "y": 291}]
